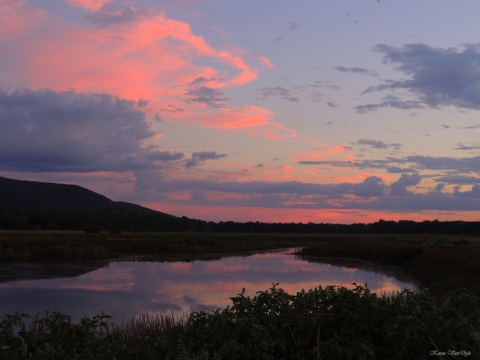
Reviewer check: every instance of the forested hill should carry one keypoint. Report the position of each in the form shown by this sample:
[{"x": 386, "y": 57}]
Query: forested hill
[{"x": 18, "y": 194}]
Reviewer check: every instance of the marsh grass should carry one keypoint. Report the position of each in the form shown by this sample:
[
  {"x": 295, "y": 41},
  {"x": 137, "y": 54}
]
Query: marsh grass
[
  {"x": 63, "y": 245},
  {"x": 322, "y": 323},
  {"x": 440, "y": 264}
]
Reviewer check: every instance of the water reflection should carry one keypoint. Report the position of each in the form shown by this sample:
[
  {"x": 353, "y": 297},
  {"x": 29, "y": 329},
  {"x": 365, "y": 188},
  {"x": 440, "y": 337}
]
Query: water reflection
[{"x": 126, "y": 288}]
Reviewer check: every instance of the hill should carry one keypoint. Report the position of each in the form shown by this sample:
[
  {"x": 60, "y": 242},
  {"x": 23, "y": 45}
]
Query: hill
[
  {"x": 33, "y": 205},
  {"x": 21, "y": 194}
]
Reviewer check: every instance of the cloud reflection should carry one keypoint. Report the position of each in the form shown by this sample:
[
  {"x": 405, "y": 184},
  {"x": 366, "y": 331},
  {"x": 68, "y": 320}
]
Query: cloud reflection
[{"x": 125, "y": 289}]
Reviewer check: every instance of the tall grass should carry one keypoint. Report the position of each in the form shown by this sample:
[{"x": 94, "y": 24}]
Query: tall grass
[
  {"x": 440, "y": 264},
  {"x": 62, "y": 245}
]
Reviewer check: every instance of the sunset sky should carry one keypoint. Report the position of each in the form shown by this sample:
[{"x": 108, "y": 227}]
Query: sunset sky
[{"x": 270, "y": 110}]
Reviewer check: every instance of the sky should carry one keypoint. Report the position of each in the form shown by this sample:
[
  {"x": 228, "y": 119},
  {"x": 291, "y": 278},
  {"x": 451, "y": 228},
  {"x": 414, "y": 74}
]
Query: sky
[{"x": 274, "y": 110}]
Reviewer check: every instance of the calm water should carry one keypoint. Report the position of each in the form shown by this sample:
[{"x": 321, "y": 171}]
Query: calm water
[{"x": 125, "y": 288}]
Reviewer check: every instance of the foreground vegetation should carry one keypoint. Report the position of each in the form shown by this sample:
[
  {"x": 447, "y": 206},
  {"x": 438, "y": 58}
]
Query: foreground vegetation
[{"x": 328, "y": 323}]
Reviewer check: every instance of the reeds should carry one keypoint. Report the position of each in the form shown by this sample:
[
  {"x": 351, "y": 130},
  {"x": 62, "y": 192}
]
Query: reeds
[
  {"x": 441, "y": 264},
  {"x": 28, "y": 246}
]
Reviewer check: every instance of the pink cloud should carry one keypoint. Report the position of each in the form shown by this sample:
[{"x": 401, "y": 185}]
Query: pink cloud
[
  {"x": 16, "y": 17},
  {"x": 152, "y": 58},
  {"x": 324, "y": 153},
  {"x": 266, "y": 62}
]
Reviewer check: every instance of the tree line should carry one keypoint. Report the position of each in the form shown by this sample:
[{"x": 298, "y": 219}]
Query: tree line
[{"x": 131, "y": 220}]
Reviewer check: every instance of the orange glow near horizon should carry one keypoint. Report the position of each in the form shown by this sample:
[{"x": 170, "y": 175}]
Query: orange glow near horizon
[{"x": 276, "y": 215}]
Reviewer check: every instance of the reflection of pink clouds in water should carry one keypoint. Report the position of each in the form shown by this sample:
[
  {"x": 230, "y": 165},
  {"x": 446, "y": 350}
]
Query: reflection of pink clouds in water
[
  {"x": 216, "y": 268},
  {"x": 181, "y": 267},
  {"x": 129, "y": 288}
]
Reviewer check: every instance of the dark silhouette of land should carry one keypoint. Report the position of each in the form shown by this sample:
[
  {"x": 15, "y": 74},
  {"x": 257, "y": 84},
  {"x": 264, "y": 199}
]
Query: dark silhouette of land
[
  {"x": 21, "y": 194},
  {"x": 33, "y": 205}
]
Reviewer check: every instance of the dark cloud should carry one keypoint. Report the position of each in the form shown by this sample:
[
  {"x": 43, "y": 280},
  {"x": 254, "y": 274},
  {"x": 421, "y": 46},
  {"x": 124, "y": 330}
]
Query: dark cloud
[
  {"x": 207, "y": 155},
  {"x": 415, "y": 163},
  {"x": 110, "y": 14},
  {"x": 325, "y": 84},
  {"x": 278, "y": 39},
  {"x": 371, "y": 194},
  {"x": 469, "y": 127},
  {"x": 293, "y": 26},
  {"x": 399, "y": 170},
  {"x": 259, "y": 165},
  {"x": 280, "y": 91},
  {"x": 355, "y": 70},
  {"x": 198, "y": 157},
  {"x": 290, "y": 94},
  {"x": 438, "y": 77},
  {"x": 373, "y": 143},
  {"x": 390, "y": 101},
  {"x": 331, "y": 105},
  {"x": 399, "y": 187},
  {"x": 373, "y": 164},
  {"x": 467, "y": 147},
  {"x": 213, "y": 98},
  {"x": 48, "y": 131},
  {"x": 203, "y": 80},
  {"x": 142, "y": 103},
  {"x": 445, "y": 126},
  {"x": 474, "y": 193},
  {"x": 371, "y": 186},
  {"x": 471, "y": 164},
  {"x": 463, "y": 180},
  {"x": 172, "y": 109},
  {"x": 164, "y": 156},
  {"x": 258, "y": 187},
  {"x": 377, "y": 144}
]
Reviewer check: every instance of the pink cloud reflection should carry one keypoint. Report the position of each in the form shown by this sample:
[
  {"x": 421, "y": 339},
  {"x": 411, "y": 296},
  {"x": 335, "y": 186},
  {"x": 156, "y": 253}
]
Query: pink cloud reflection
[{"x": 132, "y": 288}]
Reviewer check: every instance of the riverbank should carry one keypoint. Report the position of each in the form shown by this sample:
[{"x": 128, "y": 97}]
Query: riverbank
[
  {"x": 440, "y": 264},
  {"x": 76, "y": 245}
]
